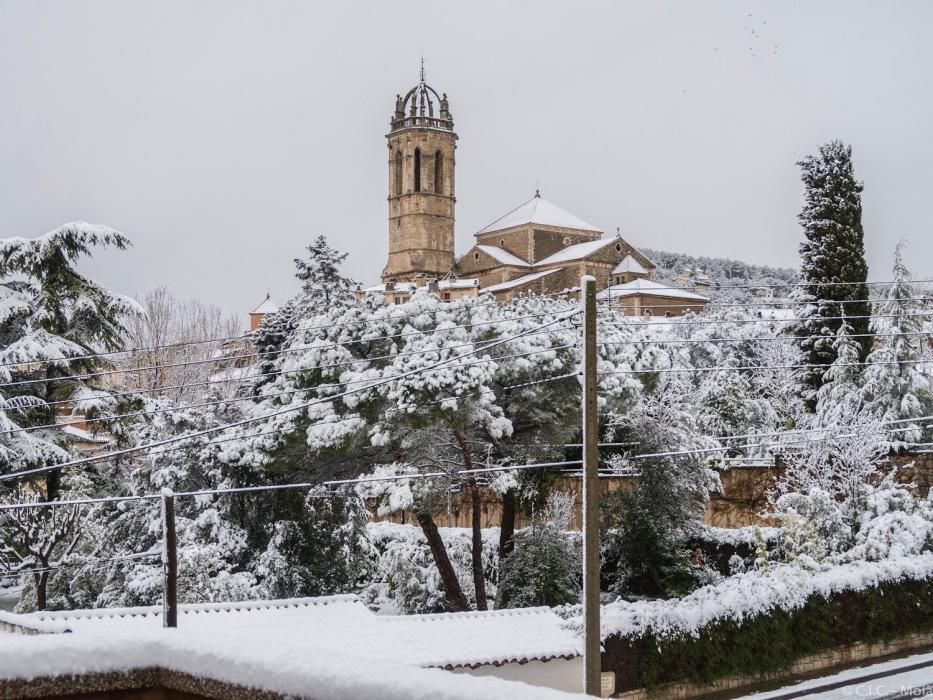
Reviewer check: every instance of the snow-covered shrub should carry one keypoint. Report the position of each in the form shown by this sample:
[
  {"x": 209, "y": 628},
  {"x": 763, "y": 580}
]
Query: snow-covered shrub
[
  {"x": 895, "y": 523},
  {"x": 323, "y": 552},
  {"x": 543, "y": 567},
  {"x": 814, "y": 527},
  {"x": 406, "y": 579}
]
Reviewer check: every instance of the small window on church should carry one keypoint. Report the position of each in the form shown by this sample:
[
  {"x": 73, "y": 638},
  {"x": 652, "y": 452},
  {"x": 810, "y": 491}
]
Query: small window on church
[
  {"x": 417, "y": 170},
  {"x": 475, "y": 257},
  {"x": 502, "y": 243},
  {"x": 439, "y": 172},
  {"x": 398, "y": 173},
  {"x": 618, "y": 247}
]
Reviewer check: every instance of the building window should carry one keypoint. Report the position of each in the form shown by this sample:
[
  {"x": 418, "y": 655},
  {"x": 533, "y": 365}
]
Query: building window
[
  {"x": 502, "y": 243},
  {"x": 439, "y": 173},
  {"x": 417, "y": 170},
  {"x": 398, "y": 173},
  {"x": 668, "y": 314},
  {"x": 618, "y": 247},
  {"x": 646, "y": 312},
  {"x": 446, "y": 296},
  {"x": 398, "y": 300},
  {"x": 475, "y": 257}
]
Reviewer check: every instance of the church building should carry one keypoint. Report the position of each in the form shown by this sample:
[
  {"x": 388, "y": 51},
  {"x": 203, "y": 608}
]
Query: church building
[{"x": 538, "y": 247}]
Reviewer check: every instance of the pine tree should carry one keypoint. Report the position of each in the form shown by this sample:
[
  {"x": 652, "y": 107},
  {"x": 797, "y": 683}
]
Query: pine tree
[
  {"x": 896, "y": 386},
  {"x": 833, "y": 267},
  {"x": 53, "y": 322},
  {"x": 322, "y": 283}
]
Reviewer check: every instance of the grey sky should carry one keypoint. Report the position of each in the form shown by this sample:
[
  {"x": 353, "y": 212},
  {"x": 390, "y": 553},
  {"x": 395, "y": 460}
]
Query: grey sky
[{"x": 223, "y": 136}]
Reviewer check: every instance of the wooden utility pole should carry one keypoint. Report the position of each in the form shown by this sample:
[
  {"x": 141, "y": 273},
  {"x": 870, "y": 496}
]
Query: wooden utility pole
[
  {"x": 592, "y": 667},
  {"x": 169, "y": 561}
]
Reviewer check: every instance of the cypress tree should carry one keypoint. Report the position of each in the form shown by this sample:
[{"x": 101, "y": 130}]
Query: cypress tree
[{"x": 833, "y": 267}]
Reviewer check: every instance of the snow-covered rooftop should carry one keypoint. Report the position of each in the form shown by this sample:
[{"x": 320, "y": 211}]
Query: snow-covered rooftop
[
  {"x": 266, "y": 307},
  {"x": 538, "y": 210},
  {"x": 503, "y": 256},
  {"x": 629, "y": 264},
  {"x": 518, "y": 281},
  {"x": 648, "y": 287},
  {"x": 84, "y": 435},
  {"x": 344, "y": 625},
  {"x": 577, "y": 251},
  {"x": 238, "y": 657},
  {"x": 410, "y": 287}
]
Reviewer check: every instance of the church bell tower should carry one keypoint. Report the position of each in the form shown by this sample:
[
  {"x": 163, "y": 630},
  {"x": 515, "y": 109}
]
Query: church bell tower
[{"x": 421, "y": 186}]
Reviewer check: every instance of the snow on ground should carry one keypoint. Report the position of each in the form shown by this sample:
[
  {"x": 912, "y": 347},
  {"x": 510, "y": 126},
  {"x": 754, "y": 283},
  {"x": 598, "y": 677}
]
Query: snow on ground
[{"x": 861, "y": 682}]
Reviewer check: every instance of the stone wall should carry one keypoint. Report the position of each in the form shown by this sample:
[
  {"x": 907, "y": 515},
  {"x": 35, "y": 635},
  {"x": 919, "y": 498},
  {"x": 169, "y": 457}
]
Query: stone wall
[
  {"x": 742, "y": 501},
  {"x": 825, "y": 663}
]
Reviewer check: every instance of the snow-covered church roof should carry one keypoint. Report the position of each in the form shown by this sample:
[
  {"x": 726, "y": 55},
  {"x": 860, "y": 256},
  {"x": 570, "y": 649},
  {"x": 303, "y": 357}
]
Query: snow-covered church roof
[
  {"x": 629, "y": 264},
  {"x": 650, "y": 288},
  {"x": 266, "y": 307},
  {"x": 538, "y": 210}
]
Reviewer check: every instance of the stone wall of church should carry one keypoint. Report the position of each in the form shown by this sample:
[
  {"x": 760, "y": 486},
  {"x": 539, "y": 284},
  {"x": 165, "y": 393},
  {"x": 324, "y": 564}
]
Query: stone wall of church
[
  {"x": 517, "y": 241},
  {"x": 550, "y": 240}
]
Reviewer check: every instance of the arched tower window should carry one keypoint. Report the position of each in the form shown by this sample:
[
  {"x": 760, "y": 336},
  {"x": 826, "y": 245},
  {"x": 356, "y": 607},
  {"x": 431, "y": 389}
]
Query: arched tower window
[
  {"x": 397, "y": 185},
  {"x": 417, "y": 170},
  {"x": 439, "y": 173}
]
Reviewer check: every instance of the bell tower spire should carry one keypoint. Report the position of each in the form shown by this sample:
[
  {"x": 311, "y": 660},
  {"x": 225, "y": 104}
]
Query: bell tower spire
[{"x": 421, "y": 144}]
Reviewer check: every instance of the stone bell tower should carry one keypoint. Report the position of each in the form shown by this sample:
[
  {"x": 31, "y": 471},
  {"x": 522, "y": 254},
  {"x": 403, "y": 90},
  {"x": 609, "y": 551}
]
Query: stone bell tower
[{"x": 421, "y": 186}]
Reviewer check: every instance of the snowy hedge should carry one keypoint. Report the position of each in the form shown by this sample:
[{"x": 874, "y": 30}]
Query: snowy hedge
[{"x": 763, "y": 620}]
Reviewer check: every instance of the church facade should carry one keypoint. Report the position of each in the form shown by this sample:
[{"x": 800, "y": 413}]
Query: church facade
[{"x": 537, "y": 247}]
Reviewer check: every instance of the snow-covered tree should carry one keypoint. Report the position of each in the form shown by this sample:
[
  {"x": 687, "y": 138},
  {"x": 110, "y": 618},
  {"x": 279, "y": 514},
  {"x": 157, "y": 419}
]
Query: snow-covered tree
[
  {"x": 172, "y": 339},
  {"x": 646, "y": 530},
  {"x": 53, "y": 322},
  {"x": 897, "y": 385},
  {"x": 321, "y": 281},
  {"x": 544, "y": 567},
  {"x": 840, "y": 396},
  {"x": 833, "y": 266}
]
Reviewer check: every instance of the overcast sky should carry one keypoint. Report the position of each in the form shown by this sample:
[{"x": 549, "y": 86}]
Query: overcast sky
[{"x": 223, "y": 136}]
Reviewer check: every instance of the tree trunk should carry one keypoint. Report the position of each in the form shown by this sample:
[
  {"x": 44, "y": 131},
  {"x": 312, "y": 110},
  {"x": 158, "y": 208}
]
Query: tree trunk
[
  {"x": 507, "y": 526},
  {"x": 455, "y": 598},
  {"x": 479, "y": 576},
  {"x": 41, "y": 580}
]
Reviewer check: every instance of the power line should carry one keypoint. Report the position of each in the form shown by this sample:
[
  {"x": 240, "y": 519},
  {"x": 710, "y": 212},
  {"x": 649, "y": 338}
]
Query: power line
[
  {"x": 100, "y": 562},
  {"x": 290, "y": 409},
  {"x": 247, "y": 337},
  {"x": 770, "y": 338},
  {"x": 346, "y": 363},
  {"x": 879, "y": 283},
  {"x": 678, "y": 370},
  {"x": 292, "y": 486},
  {"x": 683, "y": 321},
  {"x": 51, "y": 426}
]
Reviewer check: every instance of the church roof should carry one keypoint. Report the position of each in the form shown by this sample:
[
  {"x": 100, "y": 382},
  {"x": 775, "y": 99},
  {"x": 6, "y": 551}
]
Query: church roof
[
  {"x": 640, "y": 287},
  {"x": 503, "y": 256},
  {"x": 518, "y": 281},
  {"x": 629, "y": 264},
  {"x": 538, "y": 210},
  {"x": 577, "y": 251},
  {"x": 266, "y": 307}
]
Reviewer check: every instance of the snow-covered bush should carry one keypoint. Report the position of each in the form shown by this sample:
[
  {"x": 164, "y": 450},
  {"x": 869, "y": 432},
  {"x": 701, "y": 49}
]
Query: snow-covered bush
[{"x": 406, "y": 579}]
